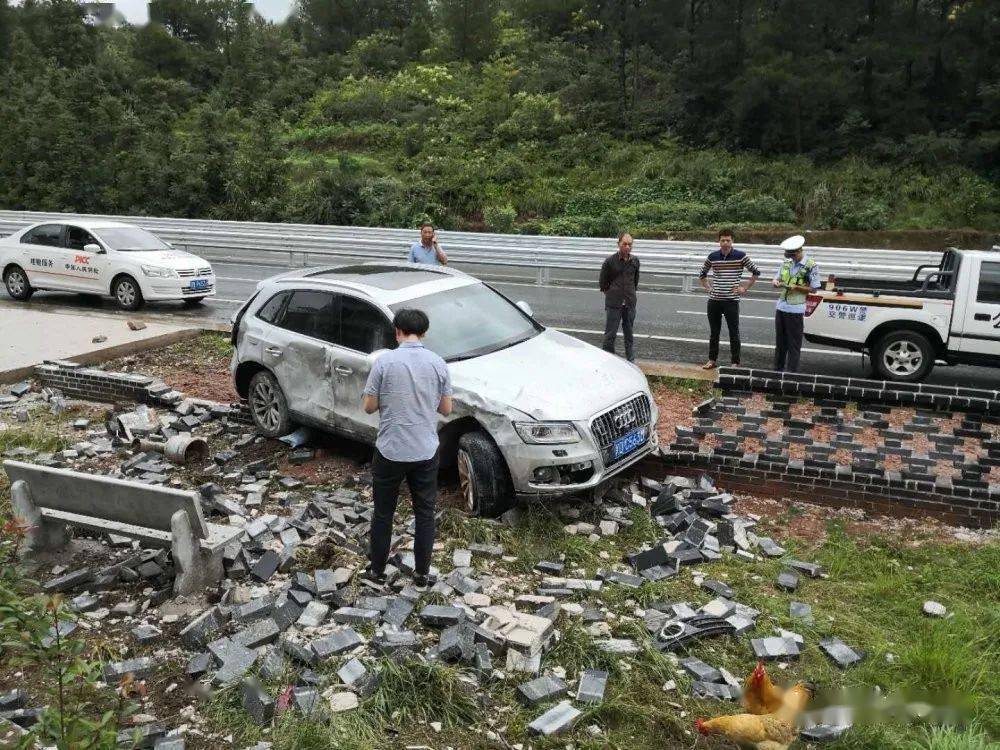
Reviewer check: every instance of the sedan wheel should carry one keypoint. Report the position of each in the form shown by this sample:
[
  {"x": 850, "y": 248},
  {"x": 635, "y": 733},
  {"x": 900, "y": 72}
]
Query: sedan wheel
[
  {"x": 127, "y": 293},
  {"x": 17, "y": 284},
  {"x": 268, "y": 406}
]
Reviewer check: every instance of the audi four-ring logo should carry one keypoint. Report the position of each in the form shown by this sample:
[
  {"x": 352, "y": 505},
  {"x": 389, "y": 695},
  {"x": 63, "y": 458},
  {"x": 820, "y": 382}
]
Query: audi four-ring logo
[{"x": 624, "y": 418}]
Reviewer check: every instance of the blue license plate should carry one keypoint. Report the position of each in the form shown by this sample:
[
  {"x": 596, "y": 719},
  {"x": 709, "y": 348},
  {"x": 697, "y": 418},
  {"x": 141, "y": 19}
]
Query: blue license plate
[
  {"x": 198, "y": 284},
  {"x": 628, "y": 443}
]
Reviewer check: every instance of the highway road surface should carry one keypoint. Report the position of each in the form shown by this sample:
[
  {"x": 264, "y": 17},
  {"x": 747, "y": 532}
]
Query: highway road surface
[{"x": 671, "y": 325}]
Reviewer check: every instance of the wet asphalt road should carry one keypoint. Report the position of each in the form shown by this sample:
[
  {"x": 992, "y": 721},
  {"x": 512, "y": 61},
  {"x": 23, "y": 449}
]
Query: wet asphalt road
[{"x": 671, "y": 325}]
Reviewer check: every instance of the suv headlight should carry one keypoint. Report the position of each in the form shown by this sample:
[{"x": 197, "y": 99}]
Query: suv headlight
[
  {"x": 547, "y": 433},
  {"x": 160, "y": 273}
]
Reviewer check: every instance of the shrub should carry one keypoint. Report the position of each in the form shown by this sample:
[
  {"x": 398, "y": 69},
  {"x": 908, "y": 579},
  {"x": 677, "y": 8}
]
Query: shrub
[{"x": 500, "y": 218}]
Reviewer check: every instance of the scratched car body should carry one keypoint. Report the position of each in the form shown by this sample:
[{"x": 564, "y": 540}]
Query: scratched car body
[
  {"x": 537, "y": 412},
  {"x": 94, "y": 256}
]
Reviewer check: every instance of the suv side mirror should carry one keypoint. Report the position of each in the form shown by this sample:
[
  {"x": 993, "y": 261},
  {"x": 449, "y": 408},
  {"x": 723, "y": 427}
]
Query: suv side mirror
[
  {"x": 525, "y": 308},
  {"x": 92, "y": 248}
]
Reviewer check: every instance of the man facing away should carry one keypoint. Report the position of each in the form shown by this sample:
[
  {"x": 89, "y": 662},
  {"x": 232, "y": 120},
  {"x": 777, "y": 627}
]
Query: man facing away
[
  {"x": 796, "y": 277},
  {"x": 726, "y": 264},
  {"x": 408, "y": 387},
  {"x": 619, "y": 281},
  {"x": 427, "y": 250}
]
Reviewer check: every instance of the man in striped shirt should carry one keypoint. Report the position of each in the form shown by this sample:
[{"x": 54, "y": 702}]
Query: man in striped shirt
[{"x": 726, "y": 264}]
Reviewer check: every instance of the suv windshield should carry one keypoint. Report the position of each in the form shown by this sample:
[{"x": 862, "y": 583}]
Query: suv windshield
[
  {"x": 130, "y": 239},
  {"x": 471, "y": 321}
]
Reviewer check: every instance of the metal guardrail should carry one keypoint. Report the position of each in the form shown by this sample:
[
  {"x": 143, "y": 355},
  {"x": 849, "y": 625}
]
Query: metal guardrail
[{"x": 549, "y": 260}]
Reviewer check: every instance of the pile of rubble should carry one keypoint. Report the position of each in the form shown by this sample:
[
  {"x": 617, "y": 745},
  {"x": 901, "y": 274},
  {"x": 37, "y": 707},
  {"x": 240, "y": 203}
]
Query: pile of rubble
[{"x": 276, "y": 620}]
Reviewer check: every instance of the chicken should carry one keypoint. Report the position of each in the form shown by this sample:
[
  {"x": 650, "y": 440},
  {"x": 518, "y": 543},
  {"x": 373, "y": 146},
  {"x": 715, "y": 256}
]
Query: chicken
[
  {"x": 760, "y": 695},
  {"x": 773, "y": 731}
]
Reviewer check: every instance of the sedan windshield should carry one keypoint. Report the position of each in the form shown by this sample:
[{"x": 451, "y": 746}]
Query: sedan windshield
[
  {"x": 471, "y": 321},
  {"x": 130, "y": 239}
]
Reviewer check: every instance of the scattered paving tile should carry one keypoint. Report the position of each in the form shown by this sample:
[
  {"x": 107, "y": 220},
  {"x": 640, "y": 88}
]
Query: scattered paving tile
[
  {"x": 823, "y": 733},
  {"x": 700, "y": 670},
  {"x": 438, "y": 615},
  {"x": 717, "y": 690},
  {"x": 840, "y": 653},
  {"x": 258, "y": 633},
  {"x": 769, "y": 547},
  {"x": 356, "y": 616},
  {"x": 257, "y": 702},
  {"x": 140, "y": 669},
  {"x": 593, "y": 683},
  {"x": 558, "y": 718},
  {"x": 540, "y": 690},
  {"x": 772, "y": 648},
  {"x": 313, "y": 615},
  {"x": 336, "y": 642},
  {"x": 200, "y": 631},
  {"x": 787, "y": 581},
  {"x": 810, "y": 569},
  {"x": 718, "y": 588},
  {"x": 801, "y": 611}
]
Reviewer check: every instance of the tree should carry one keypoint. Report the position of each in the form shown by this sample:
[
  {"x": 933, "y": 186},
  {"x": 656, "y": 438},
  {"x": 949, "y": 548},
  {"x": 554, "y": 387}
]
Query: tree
[{"x": 470, "y": 27}]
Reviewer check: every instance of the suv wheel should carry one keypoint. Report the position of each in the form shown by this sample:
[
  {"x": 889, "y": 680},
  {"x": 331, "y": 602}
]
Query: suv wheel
[
  {"x": 483, "y": 475},
  {"x": 126, "y": 292},
  {"x": 904, "y": 356},
  {"x": 16, "y": 281},
  {"x": 268, "y": 406}
]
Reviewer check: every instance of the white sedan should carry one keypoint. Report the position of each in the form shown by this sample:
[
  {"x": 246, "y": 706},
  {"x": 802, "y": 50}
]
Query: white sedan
[{"x": 102, "y": 257}]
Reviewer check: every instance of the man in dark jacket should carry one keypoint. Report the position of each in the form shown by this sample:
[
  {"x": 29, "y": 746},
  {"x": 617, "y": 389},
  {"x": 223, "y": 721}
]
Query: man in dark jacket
[{"x": 619, "y": 281}]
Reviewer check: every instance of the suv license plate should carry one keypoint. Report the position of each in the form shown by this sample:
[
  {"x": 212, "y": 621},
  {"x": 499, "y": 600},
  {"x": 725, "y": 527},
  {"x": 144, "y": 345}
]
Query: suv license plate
[
  {"x": 628, "y": 443},
  {"x": 198, "y": 284}
]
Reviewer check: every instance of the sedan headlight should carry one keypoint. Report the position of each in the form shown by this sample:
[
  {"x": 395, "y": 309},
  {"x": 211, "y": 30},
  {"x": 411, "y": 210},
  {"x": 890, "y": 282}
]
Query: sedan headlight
[
  {"x": 160, "y": 273},
  {"x": 547, "y": 433}
]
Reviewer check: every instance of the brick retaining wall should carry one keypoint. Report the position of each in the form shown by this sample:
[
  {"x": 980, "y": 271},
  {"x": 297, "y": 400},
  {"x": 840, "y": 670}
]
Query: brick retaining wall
[{"x": 937, "y": 448}]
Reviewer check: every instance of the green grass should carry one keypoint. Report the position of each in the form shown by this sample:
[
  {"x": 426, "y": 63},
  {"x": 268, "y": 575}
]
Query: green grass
[
  {"x": 684, "y": 386},
  {"x": 33, "y": 438}
]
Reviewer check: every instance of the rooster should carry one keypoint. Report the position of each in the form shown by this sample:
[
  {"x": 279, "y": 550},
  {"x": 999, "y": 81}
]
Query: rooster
[
  {"x": 760, "y": 695},
  {"x": 773, "y": 731}
]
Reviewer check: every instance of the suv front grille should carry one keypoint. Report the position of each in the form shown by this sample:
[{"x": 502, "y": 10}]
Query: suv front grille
[
  {"x": 618, "y": 422},
  {"x": 194, "y": 272}
]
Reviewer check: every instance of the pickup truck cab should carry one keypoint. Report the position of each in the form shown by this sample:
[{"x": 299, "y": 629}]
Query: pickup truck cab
[{"x": 949, "y": 312}]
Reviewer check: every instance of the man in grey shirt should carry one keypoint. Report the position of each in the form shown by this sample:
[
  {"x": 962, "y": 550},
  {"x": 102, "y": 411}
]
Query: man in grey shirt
[{"x": 408, "y": 387}]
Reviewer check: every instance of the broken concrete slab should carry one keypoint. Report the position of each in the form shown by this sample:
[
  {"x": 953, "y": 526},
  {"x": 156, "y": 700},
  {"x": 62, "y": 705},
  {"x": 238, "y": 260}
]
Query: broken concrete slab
[
  {"x": 700, "y": 670},
  {"x": 337, "y": 642},
  {"x": 801, "y": 611},
  {"x": 439, "y": 615}
]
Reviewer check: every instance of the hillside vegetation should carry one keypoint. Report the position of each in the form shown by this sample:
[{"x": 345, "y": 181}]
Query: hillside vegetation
[{"x": 572, "y": 117}]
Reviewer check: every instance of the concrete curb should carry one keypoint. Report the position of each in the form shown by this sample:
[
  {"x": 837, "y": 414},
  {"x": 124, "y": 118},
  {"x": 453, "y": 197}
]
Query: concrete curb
[{"x": 97, "y": 356}]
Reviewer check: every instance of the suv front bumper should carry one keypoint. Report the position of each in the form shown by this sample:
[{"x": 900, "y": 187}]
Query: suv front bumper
[{"x": 560, "y": 465}]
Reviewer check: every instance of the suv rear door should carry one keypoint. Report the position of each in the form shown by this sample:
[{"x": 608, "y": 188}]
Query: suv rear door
[
  {"x": 294, "y": 347},
  {"x": 977, "y": 324}
]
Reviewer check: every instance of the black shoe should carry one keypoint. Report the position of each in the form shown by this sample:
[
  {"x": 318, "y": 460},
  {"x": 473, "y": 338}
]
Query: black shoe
[
  {"x": 371, "y": 576},
  {"x": 422, "y": 582}
]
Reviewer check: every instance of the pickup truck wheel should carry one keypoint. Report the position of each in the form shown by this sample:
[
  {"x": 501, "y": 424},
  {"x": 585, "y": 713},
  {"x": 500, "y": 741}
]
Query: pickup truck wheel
[
  {"x": 268, "y": 405},
  {"x": 483, "y": 475},
  {"x": 16, "y": 281},
  {"x": 904, "y": 356}
]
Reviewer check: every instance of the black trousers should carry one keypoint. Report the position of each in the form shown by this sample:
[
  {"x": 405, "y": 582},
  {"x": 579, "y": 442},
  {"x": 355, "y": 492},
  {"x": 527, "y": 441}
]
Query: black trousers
[
  {"x": 623, "y": 316},
  {"x": 730, "y": 310},
  {"x": 787, "y": 340},
  {"x": 421, "y": 476}
]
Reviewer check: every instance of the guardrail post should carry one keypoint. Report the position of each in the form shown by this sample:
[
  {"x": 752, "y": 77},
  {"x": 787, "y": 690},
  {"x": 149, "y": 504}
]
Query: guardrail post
[{"x": 543, "y": 275}]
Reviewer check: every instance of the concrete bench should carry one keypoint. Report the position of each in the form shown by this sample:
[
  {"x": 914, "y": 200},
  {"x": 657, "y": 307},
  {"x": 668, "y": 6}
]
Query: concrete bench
[{"x": 48, "y": 500}]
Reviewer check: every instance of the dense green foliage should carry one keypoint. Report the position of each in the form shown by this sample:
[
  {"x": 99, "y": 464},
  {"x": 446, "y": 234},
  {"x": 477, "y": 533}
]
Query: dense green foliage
[{"x": 556, "y": 116}]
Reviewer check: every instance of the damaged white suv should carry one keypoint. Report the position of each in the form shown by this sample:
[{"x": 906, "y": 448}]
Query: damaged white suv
[{"x": 536, "y": 412}]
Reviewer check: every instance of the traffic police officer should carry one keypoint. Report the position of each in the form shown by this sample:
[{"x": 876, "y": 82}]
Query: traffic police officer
[{"x": 797, "y": 277}]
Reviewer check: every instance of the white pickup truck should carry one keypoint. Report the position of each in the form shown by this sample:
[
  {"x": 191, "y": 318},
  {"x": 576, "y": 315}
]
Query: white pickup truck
[{"x": 948, "y": 313}]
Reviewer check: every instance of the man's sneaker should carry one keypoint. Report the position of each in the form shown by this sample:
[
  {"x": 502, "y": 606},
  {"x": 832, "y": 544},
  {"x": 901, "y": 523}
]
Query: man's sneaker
[
  {"x": 423, "y": 582},
  {"x": 370, "y": 577}
]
